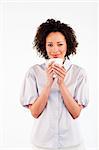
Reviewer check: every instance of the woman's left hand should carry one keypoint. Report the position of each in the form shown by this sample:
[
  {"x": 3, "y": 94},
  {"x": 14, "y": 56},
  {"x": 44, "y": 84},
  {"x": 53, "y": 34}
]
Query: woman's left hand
[{"x": 60, "y": 72}]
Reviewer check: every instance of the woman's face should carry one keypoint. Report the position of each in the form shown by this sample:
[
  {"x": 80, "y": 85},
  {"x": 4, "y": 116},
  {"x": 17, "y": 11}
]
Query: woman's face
[{"x": 56, "y": 45}]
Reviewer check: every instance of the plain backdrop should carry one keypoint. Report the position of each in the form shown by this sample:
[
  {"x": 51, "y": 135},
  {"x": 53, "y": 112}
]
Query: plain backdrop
[{"x": 18, "y": 24}]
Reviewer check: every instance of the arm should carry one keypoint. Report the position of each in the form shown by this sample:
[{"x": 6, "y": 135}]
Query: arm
[
  {"x": 38, "y": 106},
  {"x": 73, "y": 107},
  {"x": 69, "y": 102}
]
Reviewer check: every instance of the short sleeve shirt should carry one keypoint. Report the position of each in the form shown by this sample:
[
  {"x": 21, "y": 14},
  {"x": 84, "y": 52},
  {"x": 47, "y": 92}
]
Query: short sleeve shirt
[{"x": 55, "y": 127}]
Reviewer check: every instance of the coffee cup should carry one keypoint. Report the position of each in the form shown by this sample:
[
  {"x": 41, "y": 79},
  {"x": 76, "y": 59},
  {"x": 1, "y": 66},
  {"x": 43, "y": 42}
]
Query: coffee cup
[{"x": 58, "y": 61}]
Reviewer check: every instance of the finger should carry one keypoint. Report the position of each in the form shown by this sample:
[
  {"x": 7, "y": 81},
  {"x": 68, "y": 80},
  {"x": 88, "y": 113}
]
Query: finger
[
  {"x": 50, "y": 63},
  {"x": 50, "y": 69},
  {"x": 59, "y": 70},
  {"x": 62, "y": 67},
  {"x": 51, "y": 74},
  {"x": 59, "y": 73}
]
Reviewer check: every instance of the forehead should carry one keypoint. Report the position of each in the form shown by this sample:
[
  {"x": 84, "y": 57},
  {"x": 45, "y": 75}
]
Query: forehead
[{"x": 55, "y": 36}]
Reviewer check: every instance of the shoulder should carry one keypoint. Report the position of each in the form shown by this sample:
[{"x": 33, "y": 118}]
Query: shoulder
[
  {"x": 35, "y": 69},
  {"x": 80, "y": 71}
]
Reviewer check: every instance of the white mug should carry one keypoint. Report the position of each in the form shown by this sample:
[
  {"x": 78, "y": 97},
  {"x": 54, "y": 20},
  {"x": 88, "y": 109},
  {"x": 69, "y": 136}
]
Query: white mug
[{"x": 58, "y": 61}]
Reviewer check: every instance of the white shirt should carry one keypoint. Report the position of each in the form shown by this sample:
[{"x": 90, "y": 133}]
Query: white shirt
[{"x": 55, "y": 127}]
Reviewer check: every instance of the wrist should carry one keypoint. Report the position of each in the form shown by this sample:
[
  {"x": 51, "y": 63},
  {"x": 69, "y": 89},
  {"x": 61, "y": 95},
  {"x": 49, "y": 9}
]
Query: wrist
[
  {"x": 48, "y": 85},
  {"x": 61, "y": 84}
]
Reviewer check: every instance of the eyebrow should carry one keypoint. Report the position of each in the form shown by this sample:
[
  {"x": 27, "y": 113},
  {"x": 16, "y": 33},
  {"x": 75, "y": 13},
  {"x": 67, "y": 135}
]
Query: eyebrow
[{"x": 57, "y": 42}]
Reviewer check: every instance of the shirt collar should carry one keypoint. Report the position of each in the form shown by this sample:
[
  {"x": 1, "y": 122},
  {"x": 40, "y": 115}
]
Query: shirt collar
[{"x": 67, "y": 64}]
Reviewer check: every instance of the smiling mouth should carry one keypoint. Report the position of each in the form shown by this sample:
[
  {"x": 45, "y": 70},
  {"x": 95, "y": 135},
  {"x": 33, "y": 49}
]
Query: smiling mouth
[{"x": 55, "y": 56}]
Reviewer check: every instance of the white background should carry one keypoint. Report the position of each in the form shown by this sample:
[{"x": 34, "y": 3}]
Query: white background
[{"x": 18, "y": 23}]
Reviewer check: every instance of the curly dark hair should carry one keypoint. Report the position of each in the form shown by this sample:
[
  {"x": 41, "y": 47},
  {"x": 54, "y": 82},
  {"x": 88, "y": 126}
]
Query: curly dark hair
[{"x": 55, "y": 26}]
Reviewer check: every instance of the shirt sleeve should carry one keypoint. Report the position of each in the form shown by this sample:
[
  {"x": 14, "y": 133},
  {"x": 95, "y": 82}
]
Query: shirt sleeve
[
  {"x": 29, "y": 92},
  {"x": 81, "y": 91}
]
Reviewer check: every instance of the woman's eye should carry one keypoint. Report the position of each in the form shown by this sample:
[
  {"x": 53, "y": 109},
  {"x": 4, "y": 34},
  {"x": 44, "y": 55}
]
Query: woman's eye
[
  {"x": 50, "y": 45},
  {"x": 60, "y": 44}
]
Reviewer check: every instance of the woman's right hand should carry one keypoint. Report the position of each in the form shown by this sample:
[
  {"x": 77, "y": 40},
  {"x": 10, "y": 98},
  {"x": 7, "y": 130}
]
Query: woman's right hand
[{"x": 50, "y": 73}]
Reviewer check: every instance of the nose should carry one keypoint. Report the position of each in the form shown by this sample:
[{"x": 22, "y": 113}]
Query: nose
[{"x": 55, "y": 49}]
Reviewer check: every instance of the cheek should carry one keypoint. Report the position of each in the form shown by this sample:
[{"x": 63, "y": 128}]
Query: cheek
[
  {"x": 64, "y": 51},
  {"x": 48, "y": 50}
]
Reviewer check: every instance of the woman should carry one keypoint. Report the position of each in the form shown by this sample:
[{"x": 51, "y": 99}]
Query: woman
[{"x": 55, "y": 103}]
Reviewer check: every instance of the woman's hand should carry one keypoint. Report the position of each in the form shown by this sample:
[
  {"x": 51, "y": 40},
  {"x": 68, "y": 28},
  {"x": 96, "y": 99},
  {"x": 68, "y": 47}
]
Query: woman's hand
[
  {"x": 61, "y": 73},
  {"x": 50, "y": 73}
]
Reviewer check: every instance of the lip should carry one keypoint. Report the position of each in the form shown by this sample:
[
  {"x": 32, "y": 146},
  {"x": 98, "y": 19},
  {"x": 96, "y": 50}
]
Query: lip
[{"x": 55, "y": 56}]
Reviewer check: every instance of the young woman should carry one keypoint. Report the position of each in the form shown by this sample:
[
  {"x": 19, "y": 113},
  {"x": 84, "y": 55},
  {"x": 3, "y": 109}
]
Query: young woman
[{"x": 55, "y": 103}]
